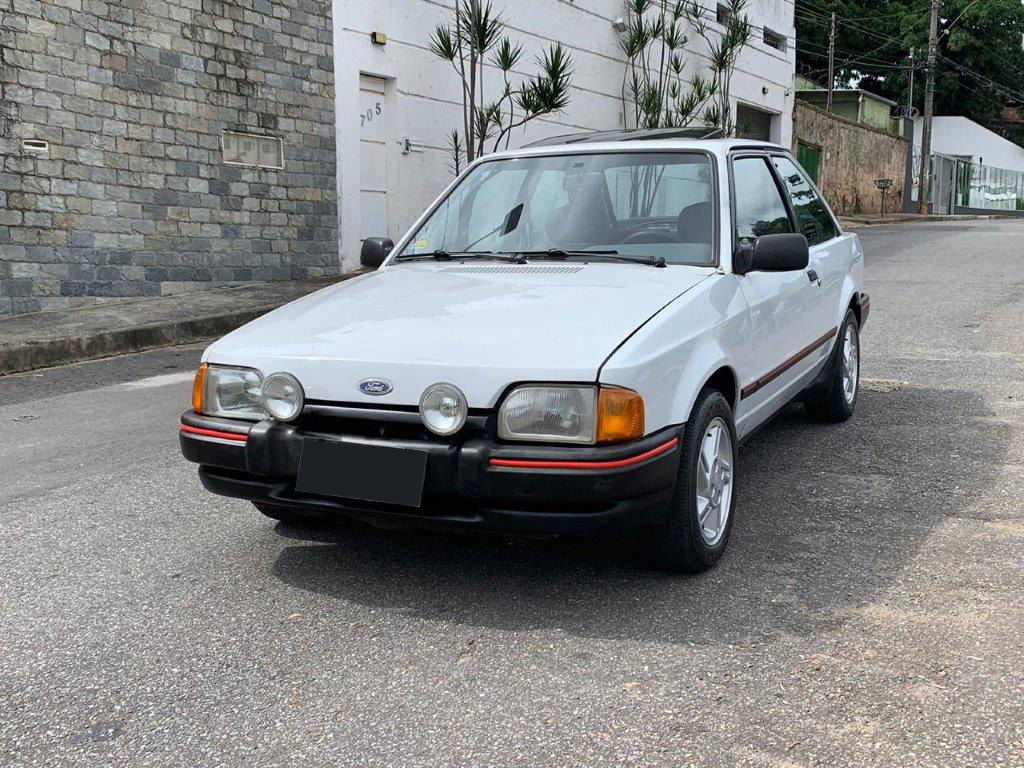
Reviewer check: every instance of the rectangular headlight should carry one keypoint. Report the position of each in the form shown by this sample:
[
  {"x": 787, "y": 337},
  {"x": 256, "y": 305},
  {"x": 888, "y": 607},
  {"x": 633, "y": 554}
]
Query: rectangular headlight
[
  {"x": 233, "y": 393},
  {"x": 551, "y": 413}
]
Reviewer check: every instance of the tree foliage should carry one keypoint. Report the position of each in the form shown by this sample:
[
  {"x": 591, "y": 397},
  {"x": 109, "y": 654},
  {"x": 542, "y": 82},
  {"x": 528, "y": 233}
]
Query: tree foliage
[{"x": 873, "y": 39}]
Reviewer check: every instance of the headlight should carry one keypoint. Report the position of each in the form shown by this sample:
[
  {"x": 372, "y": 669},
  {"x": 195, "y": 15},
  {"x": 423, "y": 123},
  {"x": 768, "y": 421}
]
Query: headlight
[
  {"x": 232, "y": 392},
  {"x": 569, "y": 413},
  {"x": 553, "y": 413},
  {"x": 282, "y": 396},
  {"x": 443, "y": 409}
]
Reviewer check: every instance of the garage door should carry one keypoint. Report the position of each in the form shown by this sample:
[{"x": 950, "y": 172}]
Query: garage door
[{"x": 753, "y": 123}]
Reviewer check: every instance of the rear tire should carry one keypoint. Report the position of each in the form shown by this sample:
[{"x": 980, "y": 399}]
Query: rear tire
[
  {"x": 699, "y": 520},
  {"x": 291, "y": 515},
  {"x": 839, "y": 396}
]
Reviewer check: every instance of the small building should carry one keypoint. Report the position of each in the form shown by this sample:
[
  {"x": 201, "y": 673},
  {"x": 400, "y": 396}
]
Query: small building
[
  {"x": 845, "y": 158},
  {"x": 846, "y": 150},
  {"x": 961, "y": 137},
  {"x": 973, "y": 168},
  {"x": 853, "y": 104}
]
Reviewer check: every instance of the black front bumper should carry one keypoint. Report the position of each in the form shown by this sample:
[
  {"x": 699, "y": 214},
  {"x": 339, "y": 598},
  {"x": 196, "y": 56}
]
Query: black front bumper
[
  {"x": 473, "y": 482},
  {"x": 864, "y": 300}
]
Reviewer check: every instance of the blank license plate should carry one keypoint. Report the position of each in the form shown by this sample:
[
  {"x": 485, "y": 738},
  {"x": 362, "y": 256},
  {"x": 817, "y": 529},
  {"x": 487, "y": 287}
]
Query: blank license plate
[{"x": 366, "y": 472}]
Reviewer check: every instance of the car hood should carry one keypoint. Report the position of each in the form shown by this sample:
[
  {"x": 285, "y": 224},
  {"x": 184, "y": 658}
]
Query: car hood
[{"x": 478, "y": 326}]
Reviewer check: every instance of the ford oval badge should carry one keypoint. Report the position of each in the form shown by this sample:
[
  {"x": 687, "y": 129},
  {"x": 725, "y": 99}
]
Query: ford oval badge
[{"x": 375, "y": 386}]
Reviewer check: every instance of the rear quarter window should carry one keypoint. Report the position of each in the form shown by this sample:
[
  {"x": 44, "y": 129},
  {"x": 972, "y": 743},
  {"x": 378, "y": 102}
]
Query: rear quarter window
[{"x": 812, "y": 215}]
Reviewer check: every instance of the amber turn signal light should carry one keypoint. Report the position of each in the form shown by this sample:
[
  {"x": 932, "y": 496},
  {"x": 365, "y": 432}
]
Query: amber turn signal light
[
  {"x": 198, "y": 385},
  {"x": 620, "y": 415}
]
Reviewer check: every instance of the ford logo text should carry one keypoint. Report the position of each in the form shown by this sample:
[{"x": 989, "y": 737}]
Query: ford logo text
[{"x": 375, "y": 386}]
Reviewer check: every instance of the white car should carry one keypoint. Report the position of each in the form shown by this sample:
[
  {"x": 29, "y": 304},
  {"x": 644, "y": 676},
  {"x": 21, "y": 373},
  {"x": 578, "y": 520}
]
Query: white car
[{"x": 573, "y": 338}]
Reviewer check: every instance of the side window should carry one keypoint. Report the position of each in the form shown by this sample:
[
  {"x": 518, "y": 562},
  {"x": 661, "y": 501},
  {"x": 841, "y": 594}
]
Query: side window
[
  {"x": 759, "y": 206},
  {"x": 812, "y": 215}
]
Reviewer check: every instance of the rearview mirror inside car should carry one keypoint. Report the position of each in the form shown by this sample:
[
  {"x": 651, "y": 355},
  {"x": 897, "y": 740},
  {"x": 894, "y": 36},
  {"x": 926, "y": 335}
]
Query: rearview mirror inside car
[{"x": 374, "y": 251}]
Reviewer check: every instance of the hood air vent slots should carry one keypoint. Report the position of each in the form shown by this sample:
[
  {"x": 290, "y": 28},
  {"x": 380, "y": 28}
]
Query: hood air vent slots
[{"x": 517, "y": 270}]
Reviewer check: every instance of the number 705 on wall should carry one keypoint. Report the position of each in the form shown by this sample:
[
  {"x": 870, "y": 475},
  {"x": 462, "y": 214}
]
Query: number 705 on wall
[{"x": 369, "y": 114}]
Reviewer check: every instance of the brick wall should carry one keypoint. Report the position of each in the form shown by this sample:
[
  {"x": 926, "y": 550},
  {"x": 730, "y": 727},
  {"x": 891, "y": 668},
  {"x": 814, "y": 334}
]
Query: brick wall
[
  {"x": 852, "y": 157},
  {"x": 132, "y": 197}
]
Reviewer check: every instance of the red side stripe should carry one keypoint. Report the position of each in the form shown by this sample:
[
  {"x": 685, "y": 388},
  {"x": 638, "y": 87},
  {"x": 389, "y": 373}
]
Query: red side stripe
[
  {"x": 214, "y": 433},
  {"x": 774, "y": 373},
  {"x": 537, "y": 464}
]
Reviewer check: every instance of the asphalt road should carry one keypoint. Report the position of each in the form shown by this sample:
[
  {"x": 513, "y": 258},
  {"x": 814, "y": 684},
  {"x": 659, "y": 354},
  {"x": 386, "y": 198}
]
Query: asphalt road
[{"x": 869, "y": 612}]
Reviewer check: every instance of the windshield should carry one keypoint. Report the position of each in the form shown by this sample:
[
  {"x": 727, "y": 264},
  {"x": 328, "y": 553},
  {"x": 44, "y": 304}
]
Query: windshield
[{"x": 650, "y": 204}]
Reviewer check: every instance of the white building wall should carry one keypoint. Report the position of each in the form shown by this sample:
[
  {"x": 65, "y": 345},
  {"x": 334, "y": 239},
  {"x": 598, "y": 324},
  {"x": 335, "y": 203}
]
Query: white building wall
[
  {"x": 962, "y": 137},
  {"x": 422, "y": 99}
]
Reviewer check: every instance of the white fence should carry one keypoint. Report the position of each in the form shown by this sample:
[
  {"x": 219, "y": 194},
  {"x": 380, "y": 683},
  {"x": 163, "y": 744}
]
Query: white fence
[{"x": 959, "y": 183}]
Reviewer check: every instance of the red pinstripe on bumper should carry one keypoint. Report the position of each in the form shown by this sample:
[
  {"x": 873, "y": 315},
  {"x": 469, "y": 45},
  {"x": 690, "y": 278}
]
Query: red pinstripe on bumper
[
  {"x": 214, "y": 433},
  {"x": 617, "y": 464}
]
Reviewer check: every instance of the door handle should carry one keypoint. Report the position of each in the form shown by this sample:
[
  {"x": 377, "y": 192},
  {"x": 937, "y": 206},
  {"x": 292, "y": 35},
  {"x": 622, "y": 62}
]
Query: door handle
[{"x": 813, "y": 276}]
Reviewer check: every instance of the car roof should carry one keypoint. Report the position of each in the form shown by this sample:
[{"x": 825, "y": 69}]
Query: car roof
[
  {"x": 638, "y": 134},
  {"x": 612, "y": 141}
]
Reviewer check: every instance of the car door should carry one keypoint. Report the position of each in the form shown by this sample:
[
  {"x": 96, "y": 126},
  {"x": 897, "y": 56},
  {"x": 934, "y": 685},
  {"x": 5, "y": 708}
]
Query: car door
[
  {"x": 785, "y": 307},
  {"x": 830, "y": 251}
]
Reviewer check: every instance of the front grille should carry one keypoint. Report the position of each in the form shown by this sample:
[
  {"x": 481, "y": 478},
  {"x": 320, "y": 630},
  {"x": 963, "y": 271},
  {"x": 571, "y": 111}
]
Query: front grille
[{"x": 386, "y": 424}]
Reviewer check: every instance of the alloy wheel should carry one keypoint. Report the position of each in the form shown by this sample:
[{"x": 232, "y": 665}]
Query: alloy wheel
[
  {"x": 851, "y": 363},
  {"x": 714, "y": 481}
]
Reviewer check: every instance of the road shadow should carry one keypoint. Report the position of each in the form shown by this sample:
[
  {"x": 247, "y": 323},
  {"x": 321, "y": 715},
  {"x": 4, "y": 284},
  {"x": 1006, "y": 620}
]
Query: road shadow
[{"x": 828, "y": 517}]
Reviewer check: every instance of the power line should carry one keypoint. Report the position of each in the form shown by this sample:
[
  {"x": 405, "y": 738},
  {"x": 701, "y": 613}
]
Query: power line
[
  {"x": 813, "y": 15},
  {"x": 954, "y": 21},
  {"x": 982, "y": 78},
  {"x": 854, "y": 58},
  {"x": 822, "y": 16},
  {"x": 849, "y": 54}
]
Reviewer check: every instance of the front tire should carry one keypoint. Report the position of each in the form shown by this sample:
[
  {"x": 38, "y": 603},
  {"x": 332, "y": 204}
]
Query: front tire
[
  {"x": 696, "y": 530},
  {"x": 839, "y": 398}
]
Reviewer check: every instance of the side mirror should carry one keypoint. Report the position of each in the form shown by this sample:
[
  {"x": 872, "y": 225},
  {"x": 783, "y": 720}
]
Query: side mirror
[
  {"x": 778, "y": 253},
  {"x": 374, "y": 251}
]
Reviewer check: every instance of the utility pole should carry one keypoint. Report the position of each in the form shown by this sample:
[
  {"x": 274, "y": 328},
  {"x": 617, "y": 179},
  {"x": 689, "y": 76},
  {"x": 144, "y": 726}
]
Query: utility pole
[
  {"x": 831, "y": 59},
  {"x": 924, "y": 179},
  {"x": 910, "y": 98}
]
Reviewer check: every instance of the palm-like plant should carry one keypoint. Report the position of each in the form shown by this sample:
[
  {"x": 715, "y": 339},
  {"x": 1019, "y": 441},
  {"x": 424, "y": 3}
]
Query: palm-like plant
[
  {"x": 477, "y": 39},
  {"x": 655, "y": 82}
]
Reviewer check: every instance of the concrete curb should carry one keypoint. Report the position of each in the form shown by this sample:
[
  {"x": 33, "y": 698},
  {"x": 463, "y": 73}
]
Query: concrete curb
[
  {"x": 853, "y": 222},
  {"x": 28, "y": 342},
  {"x": 30, "y": 355}
]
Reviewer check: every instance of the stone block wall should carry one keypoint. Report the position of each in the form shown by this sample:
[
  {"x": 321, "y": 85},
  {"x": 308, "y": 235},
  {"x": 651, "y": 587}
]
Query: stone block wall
[
  {"x": 130, "y": 196},
  {"x": 852, "y": 157}
]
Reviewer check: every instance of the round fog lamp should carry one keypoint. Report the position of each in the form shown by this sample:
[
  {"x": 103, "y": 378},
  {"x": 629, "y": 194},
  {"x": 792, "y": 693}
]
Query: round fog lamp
[
  {"x": 443, "y": 409},
  {"x": 282, "y": 396}
]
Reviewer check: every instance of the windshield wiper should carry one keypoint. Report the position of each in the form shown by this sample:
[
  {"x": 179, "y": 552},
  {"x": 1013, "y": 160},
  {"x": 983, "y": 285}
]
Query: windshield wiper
[
  {"x": 561, "y": 253},
  {"x": 442, "y": 255}
]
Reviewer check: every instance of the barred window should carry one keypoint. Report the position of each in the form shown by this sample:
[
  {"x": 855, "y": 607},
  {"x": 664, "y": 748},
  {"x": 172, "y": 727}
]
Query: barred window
[{"x": 774, "y": 39}]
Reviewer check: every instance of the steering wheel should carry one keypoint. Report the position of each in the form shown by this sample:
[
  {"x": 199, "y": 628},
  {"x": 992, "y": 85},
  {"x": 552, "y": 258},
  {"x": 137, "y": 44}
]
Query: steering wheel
[{"x": 649, "y": 236}]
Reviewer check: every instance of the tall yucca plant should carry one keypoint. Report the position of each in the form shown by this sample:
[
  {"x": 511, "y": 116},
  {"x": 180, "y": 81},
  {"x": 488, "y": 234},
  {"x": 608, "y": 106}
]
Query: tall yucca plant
[
  {"x": 724, "y": 50},
  {"x": 477, "y": 39},
  {"x": 655, "y": 81}
]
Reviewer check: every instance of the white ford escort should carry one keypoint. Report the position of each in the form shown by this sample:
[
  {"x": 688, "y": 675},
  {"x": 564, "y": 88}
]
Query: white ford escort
[{"x": 574, "y": 338}]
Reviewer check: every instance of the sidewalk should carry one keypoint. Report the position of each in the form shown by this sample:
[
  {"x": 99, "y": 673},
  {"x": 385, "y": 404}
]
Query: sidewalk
[
  {"x": 43, "y": 339},
  {"x": 873, "y": 219}
]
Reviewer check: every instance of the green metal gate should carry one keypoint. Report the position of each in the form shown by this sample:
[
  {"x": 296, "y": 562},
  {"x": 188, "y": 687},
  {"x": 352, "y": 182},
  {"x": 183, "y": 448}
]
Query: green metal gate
[{"x": 810, "y": 158}]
